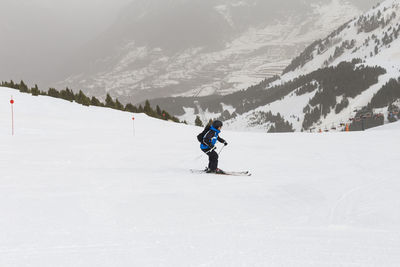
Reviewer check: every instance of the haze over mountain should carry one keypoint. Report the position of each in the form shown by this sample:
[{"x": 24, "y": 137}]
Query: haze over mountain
[
  {"x": 351, "y": 76},
  {"x": 179, "y": 47}
]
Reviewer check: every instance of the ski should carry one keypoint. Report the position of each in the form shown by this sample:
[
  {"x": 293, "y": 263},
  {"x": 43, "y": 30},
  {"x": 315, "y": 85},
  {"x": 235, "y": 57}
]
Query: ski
[{"x": 230, "y": 173}]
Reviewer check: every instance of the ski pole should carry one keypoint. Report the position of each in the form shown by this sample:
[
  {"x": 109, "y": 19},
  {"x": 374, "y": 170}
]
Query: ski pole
[{"x": 219, "y": 153}]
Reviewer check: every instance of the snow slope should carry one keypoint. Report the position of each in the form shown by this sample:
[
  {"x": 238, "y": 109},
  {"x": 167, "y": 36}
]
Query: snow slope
[
  {"x": 77, "y": 188},
  {"x": 388, "y": 127}
]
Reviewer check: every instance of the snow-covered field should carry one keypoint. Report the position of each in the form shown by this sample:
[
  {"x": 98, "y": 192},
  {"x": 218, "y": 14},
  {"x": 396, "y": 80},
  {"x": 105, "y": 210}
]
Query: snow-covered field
[{"x": 77, "y": 188}]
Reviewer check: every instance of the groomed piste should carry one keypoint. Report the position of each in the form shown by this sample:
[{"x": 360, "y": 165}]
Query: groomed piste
[{"x": 79, "y": 188}]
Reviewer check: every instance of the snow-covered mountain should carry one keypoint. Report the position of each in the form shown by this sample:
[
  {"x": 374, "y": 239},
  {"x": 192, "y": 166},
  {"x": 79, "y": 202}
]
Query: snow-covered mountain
[
  {"x": 318, "y": 90},
  {"x": 162, "y": 48},
  {"x": 78, "y": 188},
  {"x": 371, "y": 41}
]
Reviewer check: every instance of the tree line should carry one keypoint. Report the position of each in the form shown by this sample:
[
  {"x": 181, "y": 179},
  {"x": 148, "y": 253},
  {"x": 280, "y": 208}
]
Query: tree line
[
  {"x": 81, "y": 98},
  {"x": 277, "y": 124}
]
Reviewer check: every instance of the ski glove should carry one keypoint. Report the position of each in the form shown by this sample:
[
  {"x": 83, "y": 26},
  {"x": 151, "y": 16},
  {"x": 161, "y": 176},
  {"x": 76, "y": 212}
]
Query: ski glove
[{"x": 225, "y": 143}]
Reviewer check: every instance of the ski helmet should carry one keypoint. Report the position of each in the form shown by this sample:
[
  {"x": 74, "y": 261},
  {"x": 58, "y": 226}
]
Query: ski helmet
[{"x": 217, "y": 124}]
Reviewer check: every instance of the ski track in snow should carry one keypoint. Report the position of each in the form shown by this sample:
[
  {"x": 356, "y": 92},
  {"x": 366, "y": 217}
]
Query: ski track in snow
[{"x": 77, "y": 188}]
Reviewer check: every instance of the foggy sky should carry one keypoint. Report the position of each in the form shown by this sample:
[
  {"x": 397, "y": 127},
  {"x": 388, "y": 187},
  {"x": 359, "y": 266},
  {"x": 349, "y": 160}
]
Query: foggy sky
[{"x": 37, "y": 35}]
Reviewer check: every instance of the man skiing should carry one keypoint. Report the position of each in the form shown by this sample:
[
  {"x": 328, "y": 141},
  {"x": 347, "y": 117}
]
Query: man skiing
[{"x": 208, "y": 139}]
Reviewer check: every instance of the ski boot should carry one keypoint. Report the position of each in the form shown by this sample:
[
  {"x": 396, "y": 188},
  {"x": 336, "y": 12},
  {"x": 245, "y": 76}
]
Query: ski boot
[{"x": 217, "y": 171}]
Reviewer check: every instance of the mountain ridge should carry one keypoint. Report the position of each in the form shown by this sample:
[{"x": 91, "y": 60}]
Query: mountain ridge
[
  {"x": 242, "y": 49},
  {"x": 327, "y": 107}
]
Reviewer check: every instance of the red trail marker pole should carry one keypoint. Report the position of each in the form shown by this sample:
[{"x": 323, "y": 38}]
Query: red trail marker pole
[{"x": 12, "y": 115}]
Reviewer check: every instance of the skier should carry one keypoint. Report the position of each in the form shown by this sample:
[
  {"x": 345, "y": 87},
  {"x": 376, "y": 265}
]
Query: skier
[{"x": 208, "y": 139}]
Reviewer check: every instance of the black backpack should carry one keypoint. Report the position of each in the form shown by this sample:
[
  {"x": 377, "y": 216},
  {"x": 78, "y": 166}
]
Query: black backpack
[{"x": 200, "y": 137}]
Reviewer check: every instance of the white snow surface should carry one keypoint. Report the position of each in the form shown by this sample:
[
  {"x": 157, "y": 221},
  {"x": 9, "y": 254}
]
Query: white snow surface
[
  {"x": 77, "y": 188},
  {"x": 387, "y": 127}
]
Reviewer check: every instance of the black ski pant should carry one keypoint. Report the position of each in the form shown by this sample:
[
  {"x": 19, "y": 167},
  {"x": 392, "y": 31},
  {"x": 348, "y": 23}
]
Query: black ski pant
[{"x": 213, "y": 159}]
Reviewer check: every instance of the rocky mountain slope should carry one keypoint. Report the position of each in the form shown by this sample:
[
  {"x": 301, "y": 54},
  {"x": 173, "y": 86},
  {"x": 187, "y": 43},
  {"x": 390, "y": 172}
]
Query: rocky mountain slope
[{"x": 349, "y": 77}]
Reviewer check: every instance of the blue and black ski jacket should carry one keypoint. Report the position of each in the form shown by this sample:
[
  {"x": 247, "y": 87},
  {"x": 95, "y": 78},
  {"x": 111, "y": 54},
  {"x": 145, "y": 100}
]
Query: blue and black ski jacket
[{"x": 210, "y": 139}]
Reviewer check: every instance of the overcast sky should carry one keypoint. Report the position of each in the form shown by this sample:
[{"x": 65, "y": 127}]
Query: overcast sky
[
  {"x": 53, "y": 29},
  {"x": 37, "y": 36},
  {"x": 82, "y": 14}
]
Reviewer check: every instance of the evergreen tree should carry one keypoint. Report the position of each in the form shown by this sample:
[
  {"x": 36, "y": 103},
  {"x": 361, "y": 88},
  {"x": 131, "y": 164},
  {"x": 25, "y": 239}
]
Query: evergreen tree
[
  {"x": 147, "y": 108},
  {"x": 12, "y": 85},
  {"x": 67, "y": 94},
  {"x": 131, "y": 108},
  {"x": 110, "y": 102},
  {"x": 158, "y": 110},
  {"x": 198, "y": 122},
  {"x": 272, "y": 129},
  {"x": 95, "y": 102},
  {"x": 389, "y": 93},
  {"x": 118, "y": 105},
  {"x": 53, "y": 93},
  {"x": 81, "y": 98},
  {"x": 35, "y": 90},
  {"x": 23, "y": 87}
]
